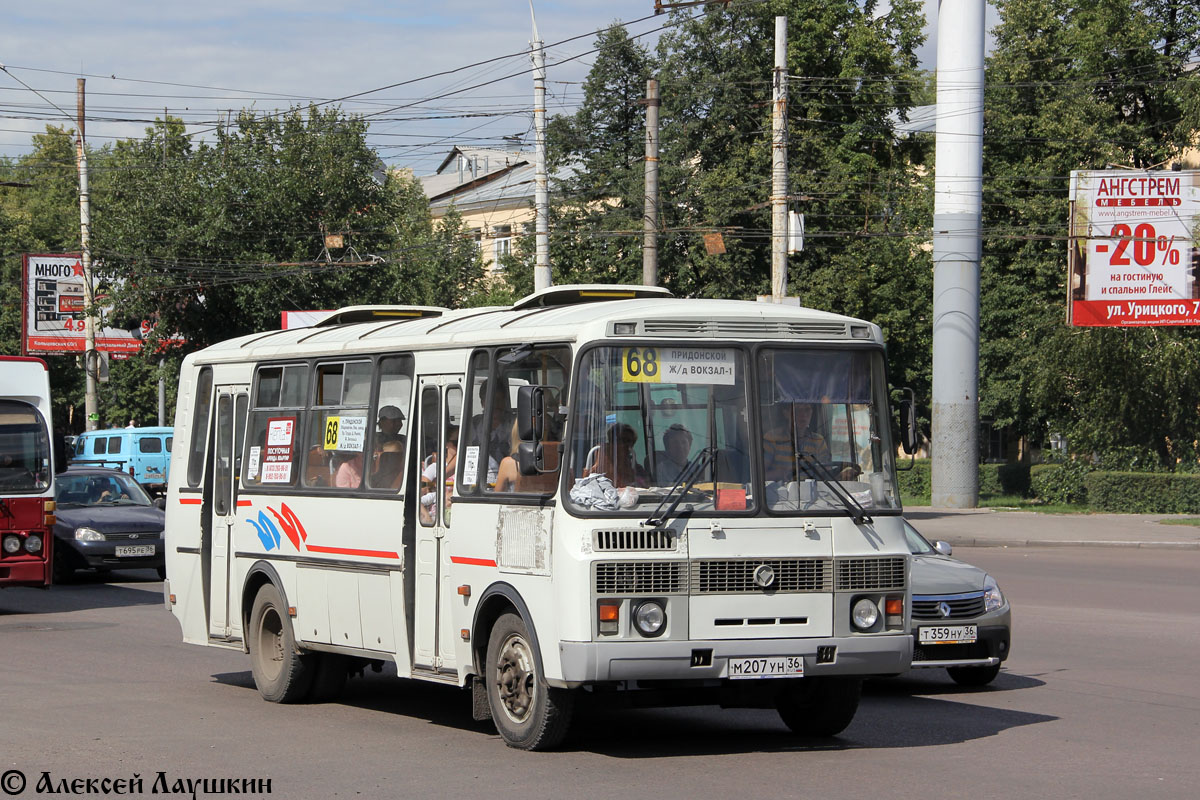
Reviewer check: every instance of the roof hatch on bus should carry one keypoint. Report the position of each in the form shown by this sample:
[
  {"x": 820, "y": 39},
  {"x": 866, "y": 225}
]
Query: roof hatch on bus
[
  {"x": 351, "y": 314},
  {"x": 572, "y": 294}
]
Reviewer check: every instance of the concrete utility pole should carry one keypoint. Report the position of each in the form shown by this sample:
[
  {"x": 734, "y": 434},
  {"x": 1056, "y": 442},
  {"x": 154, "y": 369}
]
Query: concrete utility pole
[
  {"x": 90, "y": 357},
  {"x": 779, "y": 172},
  {"x": 541, "y": 268},
  {"x": 958, "y": 191},
  {"x": 650, "y": 221}
]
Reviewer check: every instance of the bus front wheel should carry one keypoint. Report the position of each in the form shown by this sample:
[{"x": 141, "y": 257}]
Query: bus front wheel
[
  {"x": 281, "y": 674},
  {"x": 819, "y": 707},
  {"x": 529, "y": 714}
]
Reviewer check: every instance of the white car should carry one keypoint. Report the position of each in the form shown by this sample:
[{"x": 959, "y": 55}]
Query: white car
[{"x": 961, "y": 621}]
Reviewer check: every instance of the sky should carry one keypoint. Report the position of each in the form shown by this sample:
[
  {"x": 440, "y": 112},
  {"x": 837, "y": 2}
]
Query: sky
[{"x": 200, "y": 59}]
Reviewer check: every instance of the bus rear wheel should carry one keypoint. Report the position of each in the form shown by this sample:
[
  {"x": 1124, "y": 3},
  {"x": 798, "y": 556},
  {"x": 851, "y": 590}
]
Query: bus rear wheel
[
  {"x": 529, "y": 714},
  {"x": 281, "y": 674},
  {"x": 819, "y": 707}
]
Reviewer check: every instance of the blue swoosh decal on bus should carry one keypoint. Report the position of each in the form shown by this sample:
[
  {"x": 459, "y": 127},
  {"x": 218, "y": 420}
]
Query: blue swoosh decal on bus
[{"x": 268, "y": 534}]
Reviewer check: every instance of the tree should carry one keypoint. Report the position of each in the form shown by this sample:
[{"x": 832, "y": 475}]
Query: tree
[{"x": 1073, "y": 87}]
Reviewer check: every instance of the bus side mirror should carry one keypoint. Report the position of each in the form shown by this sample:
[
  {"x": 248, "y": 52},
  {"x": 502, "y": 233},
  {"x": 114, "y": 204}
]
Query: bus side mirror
[
  {"x": 908, "y": 422},
  {"x": 531, "y": 414},
  {"x": 530, "y": 458}
]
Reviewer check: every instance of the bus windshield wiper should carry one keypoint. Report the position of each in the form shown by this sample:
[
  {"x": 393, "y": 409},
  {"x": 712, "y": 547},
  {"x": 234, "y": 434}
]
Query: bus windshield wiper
[
  {"x": 815, "y": 469},
  {"x": 691, "y": 473}
]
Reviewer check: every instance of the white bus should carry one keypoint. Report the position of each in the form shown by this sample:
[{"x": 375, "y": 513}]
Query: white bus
[{"x": 600, "y": 491}]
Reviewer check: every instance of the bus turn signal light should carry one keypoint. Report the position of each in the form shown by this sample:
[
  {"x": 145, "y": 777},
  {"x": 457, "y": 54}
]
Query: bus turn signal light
[{"x": 895, "y": 606}]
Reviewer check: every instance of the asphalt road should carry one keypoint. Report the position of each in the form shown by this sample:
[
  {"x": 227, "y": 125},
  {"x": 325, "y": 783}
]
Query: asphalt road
[{"x": 1100, "y": 699}]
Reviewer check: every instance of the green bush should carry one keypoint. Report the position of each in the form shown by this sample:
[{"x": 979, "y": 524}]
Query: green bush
[
  {"x": 915, "y": 482},
  {"x": 1144, "y": 492},
  {"x": 1060, "y": 484}
]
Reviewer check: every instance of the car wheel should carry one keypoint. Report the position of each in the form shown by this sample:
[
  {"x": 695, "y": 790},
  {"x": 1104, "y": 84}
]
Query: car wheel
[
  {"x": 819, "y": 707},
  {"x": 973, "y": 676},
  {"x": 61, "y": 568},
  {"x": 529, "y": 714},
  {"x": 281, "y": 674}
]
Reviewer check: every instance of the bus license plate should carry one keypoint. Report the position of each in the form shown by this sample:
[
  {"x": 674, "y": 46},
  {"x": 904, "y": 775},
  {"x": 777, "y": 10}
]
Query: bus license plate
[
  {"x": 948, "y": 634},
  {"x": 766, "y": 667},
  {"x": 135, "y": 550}
]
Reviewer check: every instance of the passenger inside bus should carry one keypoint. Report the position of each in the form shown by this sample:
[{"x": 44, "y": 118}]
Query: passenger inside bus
[
  {"x": 496, "y": 430},
  {"x": 615, "y": 460},
  {"x": 789, "y": 438},
  {"x": 673, "y": 458},
  {"x": 509, "y": 477},
  {"x": 389, "y": 466},
  {"x": 349, "y": 470},
  {"x": 429, "y": 471}
]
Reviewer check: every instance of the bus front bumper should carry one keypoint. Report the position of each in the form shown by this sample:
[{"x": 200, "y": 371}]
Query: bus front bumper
[{"x": 591, "y": 662}]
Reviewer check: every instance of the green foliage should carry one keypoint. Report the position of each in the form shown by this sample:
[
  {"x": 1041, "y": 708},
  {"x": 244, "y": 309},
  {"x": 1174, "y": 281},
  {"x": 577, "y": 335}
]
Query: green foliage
[
  {"x": 1060, "y": 484},
  {"x": 1144, "y": 493},
  {"x": 1074, "y": 87},
  {"x": 995, "y": 480},
  {"x": 915, "y": 484}
]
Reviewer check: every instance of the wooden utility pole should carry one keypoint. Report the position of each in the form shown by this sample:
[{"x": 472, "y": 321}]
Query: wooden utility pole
[
  {"x": 91, "y": 358},
  {"x": 650, "y": 221}
]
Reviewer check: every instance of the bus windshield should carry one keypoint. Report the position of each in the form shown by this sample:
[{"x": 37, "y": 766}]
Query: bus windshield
[
  {"x": 825, "y": 433},
  {"x": 657, "y": 423},
  {"x": 645, "y": 414},
  {"x": 24, "y": 449}
]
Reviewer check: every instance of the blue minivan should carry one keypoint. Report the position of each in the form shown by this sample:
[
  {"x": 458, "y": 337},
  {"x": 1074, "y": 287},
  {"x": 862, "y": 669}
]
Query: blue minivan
[{"x": 144, "y": 453}]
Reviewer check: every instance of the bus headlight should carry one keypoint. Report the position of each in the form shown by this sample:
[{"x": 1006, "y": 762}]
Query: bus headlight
[
  {"x": 33, "y": 543},
  {"x": 650, "y": 618},
  {"x": 12, "y": 544},
  {"x": 865, "y": 614},
  {"x": 88, "y": 535}
]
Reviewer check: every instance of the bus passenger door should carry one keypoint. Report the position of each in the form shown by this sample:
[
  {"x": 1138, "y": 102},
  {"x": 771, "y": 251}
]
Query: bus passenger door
[
  {"x": 438, "y": 416},
  {"x": 228, "y": 429}
]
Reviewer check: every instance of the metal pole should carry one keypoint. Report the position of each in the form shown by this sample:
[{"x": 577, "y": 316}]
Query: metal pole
[
  {"x": 541, "y": 269},
  {"x": 956, "y": 252},
  {"x": 650, "y": 221},
  {"x": 779, "y": 174},
  {"x": 90, "y": 357},
  {"x": 162, "y": 392}
]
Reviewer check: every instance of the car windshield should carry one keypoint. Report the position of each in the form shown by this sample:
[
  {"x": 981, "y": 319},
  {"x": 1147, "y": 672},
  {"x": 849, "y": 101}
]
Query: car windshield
[
  {"x": 826, "y": 444},
  {"x": 24, "y": 448},
  {"x": 918, "y": 545},
  {"x": 84, "y": 490},
  {"x": 645, "y": 414}
]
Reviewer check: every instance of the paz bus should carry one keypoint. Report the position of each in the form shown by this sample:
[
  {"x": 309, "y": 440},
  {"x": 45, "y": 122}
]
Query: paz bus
[
  {"x": 26, "y": 473},
  {"x": 599, "y": 493}
]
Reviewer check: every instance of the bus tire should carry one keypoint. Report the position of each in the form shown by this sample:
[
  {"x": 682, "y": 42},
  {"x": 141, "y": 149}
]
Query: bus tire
[
  {"x": 281, "y": 673},
  {"x": 330, "y": 671},
  {"x": 819, "y": 707},
  {"x": 529, "y": 714}
]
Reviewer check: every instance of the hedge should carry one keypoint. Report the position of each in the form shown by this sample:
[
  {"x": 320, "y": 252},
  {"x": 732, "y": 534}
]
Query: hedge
[
  {"x": 994, "y": 479},
  {"x": 1144, "y": 492}
]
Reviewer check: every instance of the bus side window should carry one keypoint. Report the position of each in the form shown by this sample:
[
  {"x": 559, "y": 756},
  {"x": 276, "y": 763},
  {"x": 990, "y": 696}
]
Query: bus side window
[{"x": 391, "y": 413}]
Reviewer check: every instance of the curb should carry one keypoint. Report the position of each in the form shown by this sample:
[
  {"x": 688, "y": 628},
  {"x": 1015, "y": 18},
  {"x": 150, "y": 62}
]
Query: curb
[{"x": 968, "y": 541}]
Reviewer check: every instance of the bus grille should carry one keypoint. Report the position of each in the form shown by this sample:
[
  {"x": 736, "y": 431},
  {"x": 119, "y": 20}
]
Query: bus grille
[
  {"x": 961, "y": 607},
  {"x": 737, "y": 575},
  {"x": 637, "y": 539},
  {"x": 641, "y": 577},
  {"x": 870, "y": 574}
]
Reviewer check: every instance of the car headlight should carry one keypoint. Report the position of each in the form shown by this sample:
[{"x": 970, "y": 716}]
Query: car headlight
[
  {"x": 12, "y": 544},
  {"x": 33, "y": 543},
  {"x": 865, "y": 614},
  {"x": 88, "y": 535},
  {"x": 650, "y": 618},
  {"x": 993, "y": 598}
]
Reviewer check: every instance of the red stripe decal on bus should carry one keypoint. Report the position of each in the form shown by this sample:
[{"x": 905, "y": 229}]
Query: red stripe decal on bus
[
  {"x": 476, "y": 562},
  {"x": 245, "y": 503},
  {"x": 345, "y": 551},
  {"x": 190, "y": 501}
]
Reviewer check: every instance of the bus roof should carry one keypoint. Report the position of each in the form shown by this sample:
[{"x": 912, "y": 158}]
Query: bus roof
[{"x": 658, "y": 315}]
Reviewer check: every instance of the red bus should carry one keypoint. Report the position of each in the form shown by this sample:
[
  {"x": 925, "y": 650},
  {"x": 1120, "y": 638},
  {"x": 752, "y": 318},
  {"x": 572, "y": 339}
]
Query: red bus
[{"x": 26, "y": 473}]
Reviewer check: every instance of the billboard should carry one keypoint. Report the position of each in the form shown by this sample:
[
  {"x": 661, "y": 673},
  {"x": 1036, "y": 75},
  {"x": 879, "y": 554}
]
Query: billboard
[
  {"x": 1132, "y": 255},
  {"x": 52, "y": 318}
]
